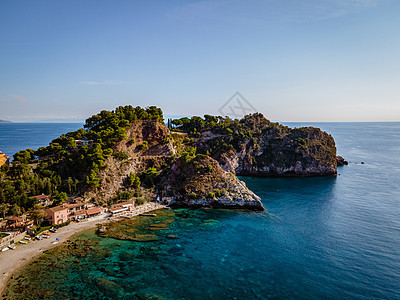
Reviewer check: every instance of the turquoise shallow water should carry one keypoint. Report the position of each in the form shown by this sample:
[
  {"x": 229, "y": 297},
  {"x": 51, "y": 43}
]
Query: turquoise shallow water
[{"x": 332, "y": 237}]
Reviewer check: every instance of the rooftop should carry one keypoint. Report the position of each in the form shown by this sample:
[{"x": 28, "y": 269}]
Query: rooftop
[
  {"x": 93, "y": 211},
  {"x": 72, "y": 205},
  {"x": 56, "y": 208},
  {"x": 40, "y": 197},
  {"x": 79, "y": 212},
  {"x": 118, "y": 209}
]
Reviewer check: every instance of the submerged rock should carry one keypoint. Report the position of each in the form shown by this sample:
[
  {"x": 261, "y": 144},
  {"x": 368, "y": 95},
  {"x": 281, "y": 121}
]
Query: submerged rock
[
  {"x": 144, "y": 238},
  {"x": 109, "y": 288},
  {"x": 148, "y": 297},
  {"x": 126, "y": 256},
  {"x": 102, "y": 229}
]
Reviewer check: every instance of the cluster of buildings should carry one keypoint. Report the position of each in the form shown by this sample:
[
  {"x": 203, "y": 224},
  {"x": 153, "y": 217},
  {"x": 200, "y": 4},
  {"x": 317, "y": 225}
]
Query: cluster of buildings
[
  {"x": 73, "y": 211},
  {"x": 16, "y": 223}
]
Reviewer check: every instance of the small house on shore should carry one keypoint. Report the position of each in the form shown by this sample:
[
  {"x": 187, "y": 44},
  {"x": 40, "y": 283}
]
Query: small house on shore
[
  {"x": 117, "y": 210},
  {"x": 85, "y": 213},
  {"x": 57, "y": 215},
  {"x": 31, "y": 229},
  {"x": 121, "y": 207},
  {"x": 43, "y": 199},
  {"x": 73, "y": 207},
  {"x": 94, "y": 211},
  {"x": 77, "y": 215},
  {"x": 17, "y": 223}
]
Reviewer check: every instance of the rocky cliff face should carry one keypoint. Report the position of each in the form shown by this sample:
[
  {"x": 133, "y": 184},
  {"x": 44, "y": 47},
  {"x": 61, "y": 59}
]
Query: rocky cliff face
[
  {"x": 269, "y": 149},
  {"x": 157, "y": 154},
  {"x": 283, "y": 157},
  {"x": 197, "y": 181},
  {"x": 201, "y": 182},
  {"x": 154, "y": 133}
]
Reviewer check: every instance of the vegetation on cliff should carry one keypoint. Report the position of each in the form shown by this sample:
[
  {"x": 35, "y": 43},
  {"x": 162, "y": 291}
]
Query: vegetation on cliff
[
  {"x": 130, "y": 153},
  {"x": 264, "y": 147},
  {"x": 65, "y": 166}
]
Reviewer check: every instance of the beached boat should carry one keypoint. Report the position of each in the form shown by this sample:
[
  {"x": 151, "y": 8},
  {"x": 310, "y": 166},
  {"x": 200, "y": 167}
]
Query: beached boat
[
  {"x": 5, "y": 249},
  {"x": 45, "y": 236},
  {"x": 11, "y": 247},
  {"x": 45, "y": 233},
  {"x": 27, "y": 238},
  {"x": 23, "y": 242}
]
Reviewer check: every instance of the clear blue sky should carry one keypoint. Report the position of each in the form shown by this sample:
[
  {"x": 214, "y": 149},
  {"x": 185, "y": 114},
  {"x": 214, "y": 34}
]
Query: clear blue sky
[{"x": 293, "y": 60}]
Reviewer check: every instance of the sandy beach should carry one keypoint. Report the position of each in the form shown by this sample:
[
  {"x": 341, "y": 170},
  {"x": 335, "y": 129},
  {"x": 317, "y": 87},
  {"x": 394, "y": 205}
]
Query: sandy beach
[{"x": 12, "y": 261}]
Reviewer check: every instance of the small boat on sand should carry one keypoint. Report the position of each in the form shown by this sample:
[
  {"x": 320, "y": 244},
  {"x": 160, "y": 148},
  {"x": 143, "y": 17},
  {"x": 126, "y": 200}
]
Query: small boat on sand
[
  {"x": 23, "y": 242},
  {"x": 5, "y": 249},
  {"x": 11, "y": 247}
]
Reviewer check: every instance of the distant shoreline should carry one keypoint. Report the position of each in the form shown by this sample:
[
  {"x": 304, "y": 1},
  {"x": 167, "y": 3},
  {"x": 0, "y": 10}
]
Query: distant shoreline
[{"x": 4, "y": 122}]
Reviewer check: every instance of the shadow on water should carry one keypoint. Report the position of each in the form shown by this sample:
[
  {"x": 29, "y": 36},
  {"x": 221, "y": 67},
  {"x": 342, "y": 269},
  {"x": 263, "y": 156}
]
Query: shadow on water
[{"x": 294, "y": 190}]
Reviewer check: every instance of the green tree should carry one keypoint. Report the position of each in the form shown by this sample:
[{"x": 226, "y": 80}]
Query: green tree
[
  {"x": 149, "y": 177},
  {"x": 2, "y": 196},
  {"x": 93, "y": 180},
  {"x": 177, "y": 122},
  {"x": 71, "y": 144},
  {"x": 143, "y": 145},
  {"x": 134, "y": 181},
  {"x": 24, "y": 156},
  {"x": 4, "y": 207},
  {"x": 59, "y": 198},
  {"x": 37, "y": 213},
  {"x": 16, "y": 210}
]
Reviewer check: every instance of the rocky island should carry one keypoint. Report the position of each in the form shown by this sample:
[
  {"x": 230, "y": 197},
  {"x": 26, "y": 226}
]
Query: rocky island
[{"x": 130, "y": 153}]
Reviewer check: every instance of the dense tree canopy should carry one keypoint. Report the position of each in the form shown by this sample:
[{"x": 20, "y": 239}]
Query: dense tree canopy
[{"x": 67, "y": 165}]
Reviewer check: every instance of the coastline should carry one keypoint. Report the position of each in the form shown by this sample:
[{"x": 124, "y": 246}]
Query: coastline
[{"x": 12, "y": 261}]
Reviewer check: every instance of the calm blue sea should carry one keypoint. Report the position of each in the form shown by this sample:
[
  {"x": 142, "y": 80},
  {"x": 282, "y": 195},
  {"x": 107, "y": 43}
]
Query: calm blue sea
[
  {"x": 322, "y": 238},
  {"x": 21, "y": 136}
]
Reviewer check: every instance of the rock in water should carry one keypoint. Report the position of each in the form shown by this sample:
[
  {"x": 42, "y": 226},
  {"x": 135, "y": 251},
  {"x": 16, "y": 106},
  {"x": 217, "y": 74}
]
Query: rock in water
[{"x": 341, "y": 161}]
